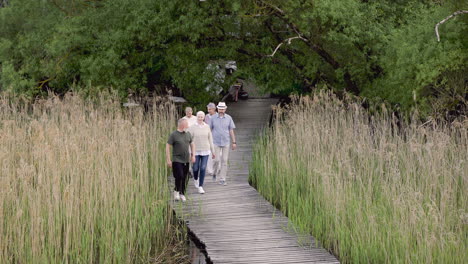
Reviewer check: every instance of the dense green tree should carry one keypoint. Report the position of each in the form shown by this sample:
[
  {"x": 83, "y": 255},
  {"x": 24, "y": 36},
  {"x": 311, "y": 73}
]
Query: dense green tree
[
  {"x": 380, "y": 49},
  {"x": 383, "y": 50}
]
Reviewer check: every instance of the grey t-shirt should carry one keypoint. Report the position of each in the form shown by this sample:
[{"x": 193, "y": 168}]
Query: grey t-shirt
[{"x": 180, "y": 142}]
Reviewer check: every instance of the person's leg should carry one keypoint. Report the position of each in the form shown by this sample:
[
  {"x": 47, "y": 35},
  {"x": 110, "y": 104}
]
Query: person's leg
[
  {"x": 183, "y": 184},
  {"x": 209, "y": 165},
  {"x": 203, "y": 162},
  {"x": 177, "y": 171},
  {"x": 224, "y": 162},
  {"x": 196, "y": 171},
  {"x": 196, "y": 167}
]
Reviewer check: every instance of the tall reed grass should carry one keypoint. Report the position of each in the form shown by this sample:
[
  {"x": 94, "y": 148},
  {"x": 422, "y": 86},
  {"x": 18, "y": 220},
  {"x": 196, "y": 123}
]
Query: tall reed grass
[
  {"x": 84, "y": 182},
  {"x": 369, "y": 191}
]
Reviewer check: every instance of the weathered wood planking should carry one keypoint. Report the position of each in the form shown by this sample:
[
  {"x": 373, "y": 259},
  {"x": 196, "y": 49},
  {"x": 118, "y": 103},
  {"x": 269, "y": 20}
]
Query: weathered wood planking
[{"x": 234, "y": 222}]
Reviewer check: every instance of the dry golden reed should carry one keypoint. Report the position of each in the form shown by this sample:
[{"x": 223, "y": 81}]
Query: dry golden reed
[{"x": 83, "y": 182}]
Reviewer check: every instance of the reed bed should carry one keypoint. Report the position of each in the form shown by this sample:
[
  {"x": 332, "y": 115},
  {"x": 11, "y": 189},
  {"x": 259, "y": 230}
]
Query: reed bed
[
  {"x": 370, "y": 189},
  {"x": 85, "y": 182}
]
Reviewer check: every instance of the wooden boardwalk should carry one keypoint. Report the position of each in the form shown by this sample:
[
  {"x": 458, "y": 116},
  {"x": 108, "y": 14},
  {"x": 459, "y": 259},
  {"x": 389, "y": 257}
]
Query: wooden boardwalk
[{"x": 234, "y": 222}]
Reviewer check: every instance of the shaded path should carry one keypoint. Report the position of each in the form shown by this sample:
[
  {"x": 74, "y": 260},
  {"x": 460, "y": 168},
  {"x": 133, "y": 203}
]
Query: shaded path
[{"x": 234, "y": 222}]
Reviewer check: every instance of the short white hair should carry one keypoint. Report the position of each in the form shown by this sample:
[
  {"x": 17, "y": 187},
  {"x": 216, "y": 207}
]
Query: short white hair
[
  {"x": 200, "y": 113},
  {"x": 188, "y": 109}
]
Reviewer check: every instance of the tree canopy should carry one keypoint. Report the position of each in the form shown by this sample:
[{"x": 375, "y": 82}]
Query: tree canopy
[{"x": 383, "y": 50}]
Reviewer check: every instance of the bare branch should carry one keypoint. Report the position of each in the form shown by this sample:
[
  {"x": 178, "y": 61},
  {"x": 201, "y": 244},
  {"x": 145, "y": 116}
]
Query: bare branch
[
  {"x": 288, "y": 41},
  {"x": 445, "y": 20}
]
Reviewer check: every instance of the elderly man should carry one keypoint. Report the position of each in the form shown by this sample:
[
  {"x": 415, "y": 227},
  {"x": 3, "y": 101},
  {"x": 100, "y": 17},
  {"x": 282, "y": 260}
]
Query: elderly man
[
  {"x": 180, "y": 140},
  {"x": 190, "y": 117},
  {"x": 222, "y": 127},
  {"x": 211, "y": 112}
]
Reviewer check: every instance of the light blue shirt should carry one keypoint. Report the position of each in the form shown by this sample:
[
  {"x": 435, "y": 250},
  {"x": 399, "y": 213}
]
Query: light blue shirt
[
  {"x": 220, "y": 127},
  {"x": 208, "y": 118}
]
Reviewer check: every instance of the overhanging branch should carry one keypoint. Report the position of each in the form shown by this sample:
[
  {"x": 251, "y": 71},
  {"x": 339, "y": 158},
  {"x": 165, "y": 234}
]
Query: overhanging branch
[
  {"x": 459, "y": 12},
  {"x": 288, "y": 41},
  {"x": 317, "y": 47}
]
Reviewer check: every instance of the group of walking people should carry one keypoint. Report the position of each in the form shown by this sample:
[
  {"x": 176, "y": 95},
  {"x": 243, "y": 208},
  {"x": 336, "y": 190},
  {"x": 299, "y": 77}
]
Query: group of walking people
[{"x": 202, "y": 141}]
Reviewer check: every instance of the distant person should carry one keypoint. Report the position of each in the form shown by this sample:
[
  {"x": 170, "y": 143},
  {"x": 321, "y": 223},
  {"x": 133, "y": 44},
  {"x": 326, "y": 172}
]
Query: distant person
[
  {"x": 203, "y": 140},
  {"x": 237, "y": 88},
  {"x": 190, "y": 117},
  {"x": 180, "y": 141},
  {"x": 222, "y": 126},
  {"x": 191, "y": 121},
  {"x": 211, "y": 112}
]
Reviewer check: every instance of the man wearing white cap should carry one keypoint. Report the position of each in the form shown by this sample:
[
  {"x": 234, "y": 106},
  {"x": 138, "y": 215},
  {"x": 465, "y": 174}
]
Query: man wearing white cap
[
  {"x": 211, "y": 112},
  {"x": 222, "y": 127}
]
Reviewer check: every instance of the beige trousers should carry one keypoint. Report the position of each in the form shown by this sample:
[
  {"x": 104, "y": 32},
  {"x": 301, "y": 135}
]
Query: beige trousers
[{"x": 221, "y": 161}]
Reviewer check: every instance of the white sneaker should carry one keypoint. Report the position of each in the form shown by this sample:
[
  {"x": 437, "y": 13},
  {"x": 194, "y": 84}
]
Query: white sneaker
[
  {"x": 176, "y": 196},
  {"x": 200, "y": 190},
  {"x": 182, "y": 197},
  {"x": 196, "y": 183}
]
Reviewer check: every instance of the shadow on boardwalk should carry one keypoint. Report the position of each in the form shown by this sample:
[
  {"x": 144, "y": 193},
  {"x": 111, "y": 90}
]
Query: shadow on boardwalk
[{"x": 234, "y": 223}]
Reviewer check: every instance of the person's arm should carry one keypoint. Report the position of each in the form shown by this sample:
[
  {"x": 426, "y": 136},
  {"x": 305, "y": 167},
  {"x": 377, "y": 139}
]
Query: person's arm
[
  {"x": 192, "y": 147},
  {"x": 168, "y": 155},
  {"x": 232, "y": 126},
  {"x": 210, "y": 139},
  {"x": 170, "y": 142},
  {"x": 233, "y": 139}
]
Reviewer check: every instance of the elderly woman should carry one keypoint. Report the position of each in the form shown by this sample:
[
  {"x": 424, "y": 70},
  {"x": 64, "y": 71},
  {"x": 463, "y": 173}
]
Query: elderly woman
[{"x": 203, "y": 141}]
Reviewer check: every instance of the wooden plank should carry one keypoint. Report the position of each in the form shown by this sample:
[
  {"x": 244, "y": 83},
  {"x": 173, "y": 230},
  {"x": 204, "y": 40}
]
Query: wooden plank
[{"x": 234, "y": 222}]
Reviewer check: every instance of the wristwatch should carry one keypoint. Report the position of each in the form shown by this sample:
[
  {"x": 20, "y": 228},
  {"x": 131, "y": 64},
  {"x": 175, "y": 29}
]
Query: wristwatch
[{"x": 234, "y": 143}]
